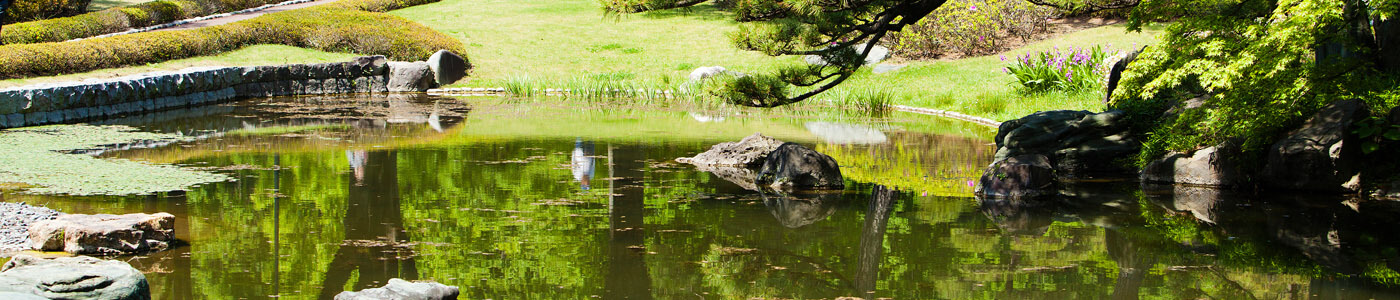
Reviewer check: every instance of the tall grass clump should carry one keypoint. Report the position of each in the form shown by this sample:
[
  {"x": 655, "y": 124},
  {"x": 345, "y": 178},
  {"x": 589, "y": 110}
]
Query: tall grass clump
[
  {"x": 330, "y": 27},
  {"x": 1077, "y": 69},
  {"x": 522, "y": 87}
]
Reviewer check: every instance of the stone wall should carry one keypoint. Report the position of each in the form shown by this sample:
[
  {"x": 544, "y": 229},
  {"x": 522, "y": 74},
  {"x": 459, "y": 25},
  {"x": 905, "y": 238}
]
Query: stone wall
[{"x": 90, "y": 100}]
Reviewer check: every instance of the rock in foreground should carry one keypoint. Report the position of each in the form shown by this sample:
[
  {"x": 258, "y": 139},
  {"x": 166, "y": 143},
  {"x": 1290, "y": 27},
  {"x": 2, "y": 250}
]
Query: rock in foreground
[
  {"x": 1323, "y": 155},
  {"x": 400, "y": 289},
  {"x": 104, "y": 234},
  {"x": 1038, "y": 151},
  {"x": 73, "y": 278}
]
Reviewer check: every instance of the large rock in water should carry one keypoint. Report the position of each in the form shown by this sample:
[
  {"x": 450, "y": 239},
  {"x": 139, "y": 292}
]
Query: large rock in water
[
  {"x": 400, "y": 289},
  {"x": 1036, "y": 151},
  {"x": 794, "y": 166},
  {"x": 104, "y": 234},
  {"x": 1211, "y": 166},
  {"x": 448, "y": 67},
  {"x": 749, "y": 152},
  {"x": 1323, "y": 155},
  {"x": 1075, "y": 142},
  {"x": 758, "y": 159},
  {"x": 410, "y": 77},
  {"x": 73, "y": 278}
]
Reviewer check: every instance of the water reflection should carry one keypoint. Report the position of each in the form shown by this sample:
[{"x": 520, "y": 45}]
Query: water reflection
[{"x": 496, "y": 207}]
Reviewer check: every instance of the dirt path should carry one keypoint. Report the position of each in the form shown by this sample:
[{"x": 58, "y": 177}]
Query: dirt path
[{"x": 243, "y": 16}]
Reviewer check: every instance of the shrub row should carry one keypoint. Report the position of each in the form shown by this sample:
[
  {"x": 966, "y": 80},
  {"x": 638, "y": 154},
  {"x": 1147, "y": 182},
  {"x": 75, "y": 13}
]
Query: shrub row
[
  {"x": 119, "y": 19},
  {"x": 971, "y": 27},
  {"x": 330, "y": 27},
  {"x": 30, "y": 10}
]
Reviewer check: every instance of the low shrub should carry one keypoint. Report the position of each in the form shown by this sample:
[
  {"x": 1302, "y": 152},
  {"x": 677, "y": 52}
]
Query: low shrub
[
  {"x": 119, "y": 19},
  {"x": 328, "y": 27},
  {"x": 30, "y": 10},
  {"x": 1079, "y": 69},
  {"x": 971, "y": 27}
]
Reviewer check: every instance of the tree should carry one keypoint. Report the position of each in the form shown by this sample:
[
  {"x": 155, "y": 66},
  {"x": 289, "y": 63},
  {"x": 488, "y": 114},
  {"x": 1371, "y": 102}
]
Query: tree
[
  {"x": 1257, "y": 68},
  {"x": 841, "y": 32}
]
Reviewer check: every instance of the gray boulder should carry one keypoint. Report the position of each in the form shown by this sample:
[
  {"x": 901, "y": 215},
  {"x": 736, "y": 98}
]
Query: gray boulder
[
  {"x": 410, "y": 77},
  {"x": 104, "y": 234},
  {"x": 749, "y": 152},
  {"x": 400, "y": 289},
  {"x": 1023, "y": 176},
  {"x": 448, "y": 67},
  {"x": 72, "y": 278},
  {"x": 1213, "y": 166},
  {"x": 794, "y": 166},
  {"x": 1322, "y": 156},
  {"x": 703, "y": 73},
  {"x": 1075, "y": 142}
]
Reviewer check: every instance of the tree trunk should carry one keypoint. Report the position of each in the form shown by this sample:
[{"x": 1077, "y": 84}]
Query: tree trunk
[{"x": 1388, "y": 44}]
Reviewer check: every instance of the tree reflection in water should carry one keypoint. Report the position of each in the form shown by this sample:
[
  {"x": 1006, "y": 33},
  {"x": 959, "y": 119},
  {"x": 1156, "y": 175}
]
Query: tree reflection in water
[
  {"x": 376, "y": 248},
  {"x": 627, "y": 276}
]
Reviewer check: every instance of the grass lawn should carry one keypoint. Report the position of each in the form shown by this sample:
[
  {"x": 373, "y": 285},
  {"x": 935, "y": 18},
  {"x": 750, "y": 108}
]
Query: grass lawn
[
  {"x": 555, "y": 42},
  {"x": 97, "y": 5}
]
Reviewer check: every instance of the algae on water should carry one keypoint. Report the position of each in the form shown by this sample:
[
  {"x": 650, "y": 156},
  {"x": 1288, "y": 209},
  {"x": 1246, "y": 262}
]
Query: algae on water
[{"x": 37, "y": 157}]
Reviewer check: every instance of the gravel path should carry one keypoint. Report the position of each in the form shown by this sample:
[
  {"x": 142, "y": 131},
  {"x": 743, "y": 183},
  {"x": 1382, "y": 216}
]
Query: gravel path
[
  {"x": 243, "y": 16},
  {"x": 14, "y": 224}
]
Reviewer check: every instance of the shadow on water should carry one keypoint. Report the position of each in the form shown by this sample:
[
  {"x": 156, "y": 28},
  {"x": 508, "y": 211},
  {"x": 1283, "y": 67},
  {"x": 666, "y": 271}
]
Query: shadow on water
[{"x": 533, "y": 201}]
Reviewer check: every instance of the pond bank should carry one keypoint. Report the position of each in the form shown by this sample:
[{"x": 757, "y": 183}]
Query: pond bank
[{"x": 83, "y": 101}]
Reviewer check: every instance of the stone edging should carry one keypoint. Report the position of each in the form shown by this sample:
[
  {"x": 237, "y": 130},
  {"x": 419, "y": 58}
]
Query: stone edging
[
  {"x": 949, "y": 114},
  {"x": 92, "y": 100},
  {"x": 195, "y": 19}
]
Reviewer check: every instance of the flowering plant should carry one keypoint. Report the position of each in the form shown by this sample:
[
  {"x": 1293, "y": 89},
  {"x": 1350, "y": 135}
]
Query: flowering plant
[{"x": 1077, "y": 69}]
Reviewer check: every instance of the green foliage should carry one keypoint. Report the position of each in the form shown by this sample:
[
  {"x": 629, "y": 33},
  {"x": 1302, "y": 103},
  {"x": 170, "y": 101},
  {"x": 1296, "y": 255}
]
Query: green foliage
[
  {"x": 1078, "y": 69},
  {"x": 971, "y": 27},
  {"x": 330, "y": 27},
  {"x": 30, "y": 10},
  {"x": 1252, "y": 61},
  {"x": 117, "y": 19},
  {"x": 1373, "y": 131}
]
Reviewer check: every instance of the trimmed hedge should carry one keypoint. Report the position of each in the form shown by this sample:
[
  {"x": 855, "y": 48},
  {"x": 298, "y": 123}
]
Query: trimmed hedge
[
  {"x": 337, "y": 27},
  {"x": 30, "y": 10},
  {"x": 119, "y": 19}
]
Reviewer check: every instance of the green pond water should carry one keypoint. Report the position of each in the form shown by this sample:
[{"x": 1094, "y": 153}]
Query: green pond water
[{"x": 514, "y": 199}]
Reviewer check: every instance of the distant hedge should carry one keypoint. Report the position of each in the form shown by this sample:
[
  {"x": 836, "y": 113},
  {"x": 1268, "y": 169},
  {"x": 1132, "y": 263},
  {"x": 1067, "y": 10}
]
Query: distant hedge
[
  {"x": 117, "y": 19},
  {"x": 30, "y": 10},
  {"x": 343, "y": 26}
]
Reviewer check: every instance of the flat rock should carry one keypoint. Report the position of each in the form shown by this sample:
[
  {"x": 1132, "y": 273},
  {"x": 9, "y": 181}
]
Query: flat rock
[
  {"x": 72, "y": 278},
  {"x": 400, "y": 289},
  {"x": 104, "y": 234},
  {"x": 749, "y": 152}
]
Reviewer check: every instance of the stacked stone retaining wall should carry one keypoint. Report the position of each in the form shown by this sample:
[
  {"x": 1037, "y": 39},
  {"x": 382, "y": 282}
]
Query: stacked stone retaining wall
[{"x": 94, "y": 100}]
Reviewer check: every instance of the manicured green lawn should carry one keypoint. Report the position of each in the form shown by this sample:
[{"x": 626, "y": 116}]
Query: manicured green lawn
[{"x": 97, "y": 5}]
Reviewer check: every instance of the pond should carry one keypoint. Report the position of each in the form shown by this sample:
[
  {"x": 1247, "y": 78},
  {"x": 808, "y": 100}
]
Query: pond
[{"x": 520, "y": 199}]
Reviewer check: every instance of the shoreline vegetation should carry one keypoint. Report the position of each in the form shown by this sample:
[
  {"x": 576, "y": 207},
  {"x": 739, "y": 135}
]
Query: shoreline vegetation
[{"x": 506, "y": 43}]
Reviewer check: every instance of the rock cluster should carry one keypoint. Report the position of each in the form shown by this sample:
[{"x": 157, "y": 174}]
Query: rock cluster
[
  {"x": 15, "y": 219},
  {"x": 72, "y": 278},
  {"x": 90, "y": 100},
  {"x": 760, "y": 160},
  {"x": 403, "y": 290},
  {"x": 104, "y": 234}
]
